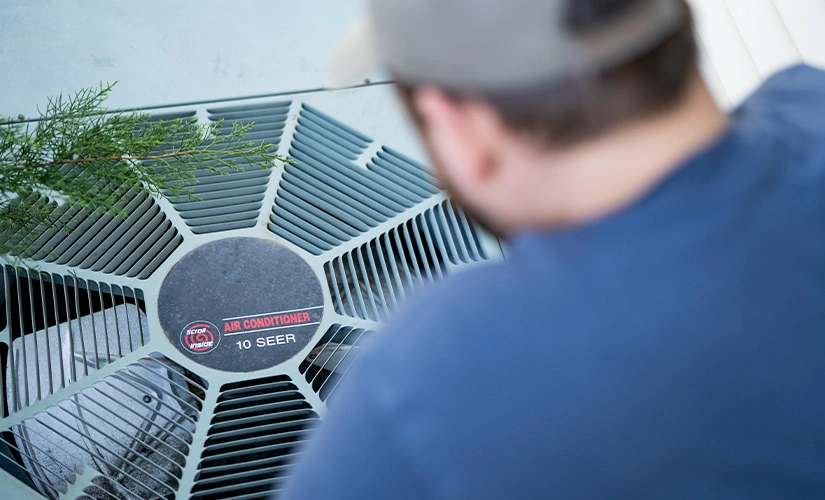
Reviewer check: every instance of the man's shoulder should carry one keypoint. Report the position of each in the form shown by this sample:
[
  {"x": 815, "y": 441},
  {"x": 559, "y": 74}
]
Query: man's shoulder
[
  {"x": 792, "y": 99},
  {"x": 480, "y": 313},
  {"x": 800, "y": 76}
]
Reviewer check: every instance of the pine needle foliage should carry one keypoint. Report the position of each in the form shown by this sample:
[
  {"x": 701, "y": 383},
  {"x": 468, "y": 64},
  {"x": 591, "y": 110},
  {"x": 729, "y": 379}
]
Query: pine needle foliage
[{"x": 80, "y": 154}]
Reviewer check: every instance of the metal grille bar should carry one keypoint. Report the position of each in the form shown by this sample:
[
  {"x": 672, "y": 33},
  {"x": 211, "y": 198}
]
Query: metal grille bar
[
  {"x": 230, "y": 198},
  {"x": 133, "y": 427},
  {"x": 257, "y": 427},
  {"x": 326, "y": 199},
  {"x": 133, "y": 245},
  {"x": 63, "y": 328},
  {"x": 333, "y": 357},
  {"x": 371, "y": 280}
]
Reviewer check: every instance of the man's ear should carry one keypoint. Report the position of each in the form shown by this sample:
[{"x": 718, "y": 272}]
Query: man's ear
[{"x": 457, "y": 140}]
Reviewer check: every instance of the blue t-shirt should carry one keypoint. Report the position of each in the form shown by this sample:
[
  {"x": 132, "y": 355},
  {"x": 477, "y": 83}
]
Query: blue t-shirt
[{"x": 675, "y": 349}]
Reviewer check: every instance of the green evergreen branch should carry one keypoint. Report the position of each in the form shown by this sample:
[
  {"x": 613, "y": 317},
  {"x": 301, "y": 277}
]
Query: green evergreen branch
[{"x": 78, "y": 154}]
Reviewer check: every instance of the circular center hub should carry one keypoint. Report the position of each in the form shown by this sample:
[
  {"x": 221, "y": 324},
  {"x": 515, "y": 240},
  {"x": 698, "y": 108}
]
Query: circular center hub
[{"x": 240, "y": 304}]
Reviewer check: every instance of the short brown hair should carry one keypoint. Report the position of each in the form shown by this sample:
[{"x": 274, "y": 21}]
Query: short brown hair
[{"x": 586, "y": 107}]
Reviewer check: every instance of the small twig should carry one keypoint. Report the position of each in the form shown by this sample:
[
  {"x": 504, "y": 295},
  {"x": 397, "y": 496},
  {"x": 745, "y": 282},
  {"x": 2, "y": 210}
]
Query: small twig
[{"x": 128, "y": 158}]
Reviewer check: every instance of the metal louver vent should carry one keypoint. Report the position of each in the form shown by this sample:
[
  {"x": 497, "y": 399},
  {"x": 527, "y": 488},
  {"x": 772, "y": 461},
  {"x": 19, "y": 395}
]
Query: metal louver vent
[
  {"x": 326, "y": 199},
  {"x": 63, "y": 329},
  {"x": 258, "y": 425},
  {"x": 133, "y": 428},
  {"x": 231, "y": 199},
  {"x": 332, "y": 358},
  {"x": 411, "y": 177},
  {"x": 132, "y": 246},
  {"x": 373, "y": 279}
]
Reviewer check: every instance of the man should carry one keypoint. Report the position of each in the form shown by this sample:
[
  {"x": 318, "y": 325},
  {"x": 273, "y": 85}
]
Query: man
[{"x": 657, "y": 328}]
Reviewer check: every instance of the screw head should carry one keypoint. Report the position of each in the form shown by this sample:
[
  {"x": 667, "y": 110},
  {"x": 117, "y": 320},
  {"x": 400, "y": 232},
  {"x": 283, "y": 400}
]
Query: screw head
[{"x": 147, "y": 399}]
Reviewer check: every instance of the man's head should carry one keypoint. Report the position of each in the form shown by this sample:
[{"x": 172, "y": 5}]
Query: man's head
[{"x": 506, "y": 93}]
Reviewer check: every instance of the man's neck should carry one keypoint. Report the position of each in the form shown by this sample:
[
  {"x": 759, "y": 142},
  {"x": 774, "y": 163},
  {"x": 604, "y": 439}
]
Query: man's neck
[{"x": 602, "y": 176}]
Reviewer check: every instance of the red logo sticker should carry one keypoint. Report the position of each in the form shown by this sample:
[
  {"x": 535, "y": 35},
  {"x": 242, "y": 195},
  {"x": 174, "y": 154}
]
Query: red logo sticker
[{"x": 200, "y": 337}]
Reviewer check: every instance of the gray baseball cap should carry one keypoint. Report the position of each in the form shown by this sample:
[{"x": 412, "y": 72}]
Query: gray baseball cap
[{"x": 494, "y": 45}]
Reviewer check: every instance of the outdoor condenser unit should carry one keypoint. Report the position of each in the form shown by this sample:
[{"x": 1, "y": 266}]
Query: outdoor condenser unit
[{"x": 189, "y": 349}]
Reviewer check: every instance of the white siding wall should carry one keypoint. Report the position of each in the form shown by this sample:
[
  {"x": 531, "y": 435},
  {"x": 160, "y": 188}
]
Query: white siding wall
[{"x": 743, "y": 42}]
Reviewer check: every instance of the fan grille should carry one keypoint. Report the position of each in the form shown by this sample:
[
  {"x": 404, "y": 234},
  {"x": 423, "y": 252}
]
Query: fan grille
[
  {"x": 257, "y": 427},
  {"x": 371, "y": 280},
  {"x": 134, "y": 428},
  {"x": 64, "y": 328},
  {"x": 370, "y": 220},
  {"x": 326, "y": 198},
  {"x": 231, "y": 198},
  {"x": 333, "y": 357},
  {"x": 132, "y": 246}
]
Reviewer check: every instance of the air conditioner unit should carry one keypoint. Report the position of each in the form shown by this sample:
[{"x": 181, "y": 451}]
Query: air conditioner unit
[{"x": 189, "y": 349}]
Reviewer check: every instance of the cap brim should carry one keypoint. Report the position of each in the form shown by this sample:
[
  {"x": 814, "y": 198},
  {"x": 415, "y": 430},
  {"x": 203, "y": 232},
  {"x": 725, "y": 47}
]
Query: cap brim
[{"x": 356, "y": 55}]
